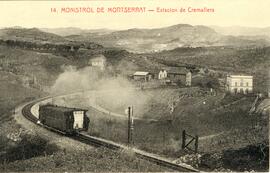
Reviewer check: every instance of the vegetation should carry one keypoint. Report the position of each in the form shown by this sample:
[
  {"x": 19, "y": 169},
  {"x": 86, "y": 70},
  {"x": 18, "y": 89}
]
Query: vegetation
[
  {"x": 27, "y": 146},
  {"x": 94, "y": 160},
  {"x": 253, "y": 157},
  {"x": 226, "y": 58},
  {"x": 208, "y": 115}
]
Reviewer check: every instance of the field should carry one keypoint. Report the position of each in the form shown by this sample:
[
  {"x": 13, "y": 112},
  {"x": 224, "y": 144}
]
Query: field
[
  {"x": 217, "y": 119},
  {"x": 34, "y": 153}
]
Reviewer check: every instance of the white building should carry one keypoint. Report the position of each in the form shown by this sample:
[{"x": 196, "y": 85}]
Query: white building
[
  {"x": 98, "y": 61},
  {"x": 239, "y": 84},
  {"x": 162, "y": 74},
  {"x": 188, "y": 78}
]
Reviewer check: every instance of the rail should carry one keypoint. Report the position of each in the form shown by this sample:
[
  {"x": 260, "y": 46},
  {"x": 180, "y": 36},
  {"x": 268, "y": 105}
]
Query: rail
[{"x": 99, "y": 142}]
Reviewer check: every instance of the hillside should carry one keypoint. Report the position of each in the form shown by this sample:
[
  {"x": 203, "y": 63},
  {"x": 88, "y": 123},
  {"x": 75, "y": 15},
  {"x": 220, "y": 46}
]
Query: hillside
[
  {"x": 167, "y": 38},
  {"x": 240, "y": 31},
  {"x": 78, "y": 53},
  {"x": 56, "y": 51},
  {"x": 27, "y": 64},
  {"x": 234, "y": 59},
  {"x": 32, "y": 34},
  {"x": 35, "y": 40},
  {"x": 254, "y": 61},
  {"x": 74, "y": 31}
]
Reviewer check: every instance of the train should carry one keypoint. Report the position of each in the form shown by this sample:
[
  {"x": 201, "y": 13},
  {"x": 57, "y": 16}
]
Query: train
[{"x": 68, "y": 121}]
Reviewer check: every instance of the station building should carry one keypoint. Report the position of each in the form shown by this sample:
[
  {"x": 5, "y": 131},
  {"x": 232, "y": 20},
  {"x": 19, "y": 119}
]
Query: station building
[{"x": 239, "y": 84}]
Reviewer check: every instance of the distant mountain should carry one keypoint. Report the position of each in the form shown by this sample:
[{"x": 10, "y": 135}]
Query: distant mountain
[
  {"x": 37, "y": 40},
  {"x": 34, "y": 38},
  {"x": 31, "y": 35},
  {"x": 75, "y": 31},
  {"x": 138, "y": 40},
  {"x": 242, "y": 31},
  {"x": 150, "y": 40},
  {"x": 167, "y": 38}
]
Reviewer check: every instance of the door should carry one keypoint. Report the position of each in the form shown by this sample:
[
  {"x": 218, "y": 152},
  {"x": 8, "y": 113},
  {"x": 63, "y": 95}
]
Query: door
[
  {"x": 241, "y": 91},
  {"x": 78, "y": 119},
  {"x": 235, "y": 90}
]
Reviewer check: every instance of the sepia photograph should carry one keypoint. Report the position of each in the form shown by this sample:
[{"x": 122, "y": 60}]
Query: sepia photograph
[{"x": 134, "y": 86}]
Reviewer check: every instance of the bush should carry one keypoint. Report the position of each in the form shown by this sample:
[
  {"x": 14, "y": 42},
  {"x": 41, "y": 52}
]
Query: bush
[
  {"x": 248, "y": 158},
  {"x": 252, "y": 157},
  {"x": 28, "y": 147},
  {"x": 206, "y": 82}
]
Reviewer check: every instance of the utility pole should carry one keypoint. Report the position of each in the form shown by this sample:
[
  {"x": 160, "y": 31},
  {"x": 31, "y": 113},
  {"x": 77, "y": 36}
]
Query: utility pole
[
  {"x": 130, "y": 125},
  {"x": 196, "y": 143},
  {"x": 129, "y": 112},
  {"x": 183, "y": 139}
]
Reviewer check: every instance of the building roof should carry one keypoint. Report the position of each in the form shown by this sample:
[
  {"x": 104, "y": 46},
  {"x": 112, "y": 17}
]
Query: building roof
[
  {"x": 61, "y": 108},
  {"x": 153, "y": 71},
  {"x": 241, "y": 76},
  {"x": 141, "y": 73},
  {"x": 176, "y": 70}
]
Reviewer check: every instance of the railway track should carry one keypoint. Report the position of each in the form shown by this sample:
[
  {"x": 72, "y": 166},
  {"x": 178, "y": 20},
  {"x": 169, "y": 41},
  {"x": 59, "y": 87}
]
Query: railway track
[
  {"x": 26, "y": 112},
  {"x": 98, "y": 142}
]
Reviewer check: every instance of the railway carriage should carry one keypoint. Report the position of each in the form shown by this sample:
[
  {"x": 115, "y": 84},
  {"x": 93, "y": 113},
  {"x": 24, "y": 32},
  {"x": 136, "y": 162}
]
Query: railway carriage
[{"x": 63, "y": 119}]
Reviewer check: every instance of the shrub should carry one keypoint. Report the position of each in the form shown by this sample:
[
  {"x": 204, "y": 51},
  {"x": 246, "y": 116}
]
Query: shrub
[{"x": 28, "y": 147}]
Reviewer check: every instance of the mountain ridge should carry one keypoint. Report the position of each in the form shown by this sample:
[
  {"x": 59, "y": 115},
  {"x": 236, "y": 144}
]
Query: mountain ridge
[
  {"x": 168, "y": 38},
  {"x": 139, "y": 40}
]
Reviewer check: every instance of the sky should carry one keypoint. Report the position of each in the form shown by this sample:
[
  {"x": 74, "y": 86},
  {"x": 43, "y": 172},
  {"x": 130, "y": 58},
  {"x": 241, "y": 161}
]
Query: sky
[{"x": 249, "y": 13}]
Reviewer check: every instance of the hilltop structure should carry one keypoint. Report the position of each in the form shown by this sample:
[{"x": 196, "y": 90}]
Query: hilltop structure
[
  {"x": 98, "y": 61},
  {"x": 162, "y": 74}
]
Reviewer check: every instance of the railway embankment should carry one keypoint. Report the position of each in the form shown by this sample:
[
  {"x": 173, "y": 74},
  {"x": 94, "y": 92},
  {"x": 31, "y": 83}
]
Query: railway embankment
[
  {"x": 65, "y": 154},
  {"x": 166, "y": 163}
]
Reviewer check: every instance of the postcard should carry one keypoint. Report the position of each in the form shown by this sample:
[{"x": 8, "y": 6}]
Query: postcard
[{"x": 134, "y": 86}]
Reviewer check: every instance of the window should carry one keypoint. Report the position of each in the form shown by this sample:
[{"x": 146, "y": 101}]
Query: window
[
  {"x": 235, "y": 83},
  {"x": 241, "y": 84},
  {"x": 247, "y": 83}
]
